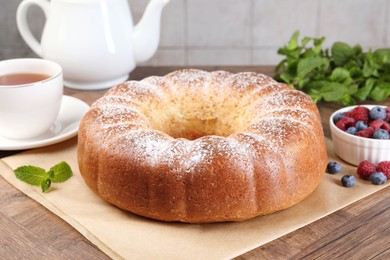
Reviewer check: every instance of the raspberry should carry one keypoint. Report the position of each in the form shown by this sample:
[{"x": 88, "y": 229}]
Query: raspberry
[
  {"x": 386, "y": 126},
  {"x": 376, "y": 124},
  {"x": 365, "y": 169},
  {"x": 387, "y": 114},
  {"x": 345, "y": 122},
  {"x": 384, "y": 167},
  {"x": 360, "y": 113},
  {"x": 348, "y": 114},
  {"x": 368, "y": 132}
]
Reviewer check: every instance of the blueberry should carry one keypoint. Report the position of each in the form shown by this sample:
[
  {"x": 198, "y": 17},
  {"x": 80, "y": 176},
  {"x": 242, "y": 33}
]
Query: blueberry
[
  {"x": 381, "y": 134},
  {"x": 348, "y": 181},
  {"x": 333, "y": 168},
  {"x": 378, "y": 113},
  {"x": 361, "y": 125},
  {"x": 378, "y": 178},
  {"x": 351, "y": 130},
  {"x": 337, "y": 117}
]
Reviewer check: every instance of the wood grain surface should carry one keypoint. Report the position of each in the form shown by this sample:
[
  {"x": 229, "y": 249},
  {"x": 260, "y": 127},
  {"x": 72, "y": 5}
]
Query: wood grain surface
[{"x": 359, "y": 231}]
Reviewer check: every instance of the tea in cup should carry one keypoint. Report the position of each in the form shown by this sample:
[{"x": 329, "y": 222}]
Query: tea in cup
[{"x": 31, "y": 91}]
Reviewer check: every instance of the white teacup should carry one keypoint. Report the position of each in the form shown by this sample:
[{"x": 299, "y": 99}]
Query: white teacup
[{"x": 28, "y": 109}]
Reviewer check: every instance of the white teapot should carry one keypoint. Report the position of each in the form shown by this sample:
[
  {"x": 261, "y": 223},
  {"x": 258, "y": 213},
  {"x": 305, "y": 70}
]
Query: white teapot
[{"x": 93, "y": 40}]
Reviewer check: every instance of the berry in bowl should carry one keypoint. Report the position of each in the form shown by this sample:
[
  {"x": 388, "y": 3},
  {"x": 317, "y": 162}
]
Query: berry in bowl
[{"x": 361, "y": 133}]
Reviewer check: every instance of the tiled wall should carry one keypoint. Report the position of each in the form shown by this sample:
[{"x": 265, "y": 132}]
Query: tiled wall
[{"x": 231, "y": 32}]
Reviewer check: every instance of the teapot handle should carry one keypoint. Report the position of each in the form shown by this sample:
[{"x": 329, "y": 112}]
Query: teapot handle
[{"x": 24, "y": 29}]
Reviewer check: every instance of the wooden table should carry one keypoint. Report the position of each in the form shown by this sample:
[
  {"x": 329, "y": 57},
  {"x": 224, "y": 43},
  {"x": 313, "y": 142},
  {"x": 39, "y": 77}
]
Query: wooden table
[{"x": 361, "y": 230}]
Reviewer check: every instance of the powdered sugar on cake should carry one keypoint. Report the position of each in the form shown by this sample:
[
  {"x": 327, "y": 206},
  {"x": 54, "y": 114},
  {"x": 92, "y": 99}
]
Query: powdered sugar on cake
[{"x": 276, "y": 115}]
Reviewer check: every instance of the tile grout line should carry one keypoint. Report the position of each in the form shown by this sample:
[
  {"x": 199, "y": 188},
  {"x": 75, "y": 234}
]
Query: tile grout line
[
  {"x": 252, "y": 34},
  {"x": 385, "y": 27},
  {"x": 318, "y": 19},
  {"x": 185, "y": 24}
]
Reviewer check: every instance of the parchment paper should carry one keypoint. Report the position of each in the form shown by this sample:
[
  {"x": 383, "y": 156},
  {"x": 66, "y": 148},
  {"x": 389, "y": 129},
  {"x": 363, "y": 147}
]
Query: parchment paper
[{"x": 124, "y": 235}]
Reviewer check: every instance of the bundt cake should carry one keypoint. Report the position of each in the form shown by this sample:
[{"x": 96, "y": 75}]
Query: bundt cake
[{"x": 196, "y": 146}]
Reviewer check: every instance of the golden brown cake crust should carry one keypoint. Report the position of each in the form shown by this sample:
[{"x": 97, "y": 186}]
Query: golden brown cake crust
[{"x": 196, "y": 146}]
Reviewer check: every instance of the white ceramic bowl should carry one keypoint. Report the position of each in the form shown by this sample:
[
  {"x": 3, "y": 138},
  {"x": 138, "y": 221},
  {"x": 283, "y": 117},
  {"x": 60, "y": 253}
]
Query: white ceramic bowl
[{"x": 354, "y": 149}]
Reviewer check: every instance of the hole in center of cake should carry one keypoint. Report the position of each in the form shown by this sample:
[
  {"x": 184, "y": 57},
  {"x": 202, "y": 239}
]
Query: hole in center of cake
[
  {"x": 195, "y": 116},
  {"x": 194, "y": 128}
]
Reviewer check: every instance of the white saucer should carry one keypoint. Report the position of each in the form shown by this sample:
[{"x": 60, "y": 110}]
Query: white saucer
[{"x": 66, "y": 126}]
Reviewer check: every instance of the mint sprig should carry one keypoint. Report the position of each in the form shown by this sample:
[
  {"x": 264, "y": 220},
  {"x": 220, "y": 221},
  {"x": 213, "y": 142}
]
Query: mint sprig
[
  {"x": 38, "y": 176},
  {"x": 344, "y": 74}
]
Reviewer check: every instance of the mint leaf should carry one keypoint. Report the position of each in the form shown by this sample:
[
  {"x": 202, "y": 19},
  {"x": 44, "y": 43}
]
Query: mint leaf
[
  {"x": 382, "y": 55},
  {"x": 45, "y": 185},
  {"x": 355, "y": 72},
  {"x": 371, "y": 66},
  {"x": 31, "y": 174},
  {"x": 318, "y": 44},
  {"x": 378, "y": 94},
  {"x": 341, "y": 53},
  {"x": 315, "y": 96},
  {"x": 334, "y": 91},
  {"x": 305, "y": 41},
  {"x": 39, "y": 177},
  {"x": 363, "y": 92},
  {"x": 357, "y": 49},
  {"x": 380, "y": 91},
  {"x": 287, "y": 77},
  {"x": 340, "y": 75},
  {"x": 347, "y": 100},
  {"x": 307, "y": 65},
  {"x": 61, "y": 172},
  {"x": 293, "y": 43}
]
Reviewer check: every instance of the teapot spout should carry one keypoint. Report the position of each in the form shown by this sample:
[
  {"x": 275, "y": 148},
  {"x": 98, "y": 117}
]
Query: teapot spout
[{"x": 146, "y": 35}]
